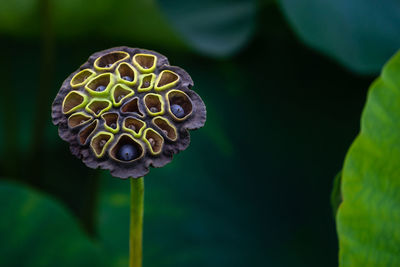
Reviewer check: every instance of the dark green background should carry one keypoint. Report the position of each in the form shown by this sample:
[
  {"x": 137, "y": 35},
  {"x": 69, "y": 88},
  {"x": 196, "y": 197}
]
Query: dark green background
[{"x": 251, "y": 190}]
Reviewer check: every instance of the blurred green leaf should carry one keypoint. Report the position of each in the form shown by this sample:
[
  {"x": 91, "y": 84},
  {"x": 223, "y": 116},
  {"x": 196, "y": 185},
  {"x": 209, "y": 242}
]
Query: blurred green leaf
[
  {"x": 362, "y": 35},
  {"x": 217, "y": 28},
  {"x": 213, "y": 27},
  {"x": 17, "y": 16},
  {"x": 336, "y": 195},
  {"x": 138, "y": 21},
  {"x": 368, "y": 219},
  {"x": 37, "y": 231}
]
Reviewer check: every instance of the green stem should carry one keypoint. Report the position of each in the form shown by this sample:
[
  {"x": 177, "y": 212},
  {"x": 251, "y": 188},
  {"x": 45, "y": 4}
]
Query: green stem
[
  {"x": 43, "y": 94},
  {"x": 136, "y": 226}
]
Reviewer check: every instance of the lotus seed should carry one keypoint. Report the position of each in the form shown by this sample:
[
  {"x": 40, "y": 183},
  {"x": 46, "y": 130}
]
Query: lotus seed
[
  {"x": 119, "y": 98},
  {"x": 165, "y": 132},
  {"x": 177, "y": 110},
  {"x": 146, "y": 84},
  {"x": 127, "y": 152},
  {"x": 153, "y": 109},
  {"x": 108, "y": 65},
  {"x": 152, "y": 142},
  {"x": 102, "y": 142},
  {"x": 113, "y": 125},
  {"x": 127, "y": 78},
  {"x": 132, "y": 127},
  {"x": 100, "y": 88}
]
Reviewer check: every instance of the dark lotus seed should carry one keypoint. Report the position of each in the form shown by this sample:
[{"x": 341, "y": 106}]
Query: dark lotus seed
[
  {"x": 127, "y": 78},
  {"x": 102, "y": 142},
  {"x": 127, "y": 152},
  {"x": 108, "y": 65},
  {"x": 152, "y": 142},
  {"x": 100, "y": 88},
  {"x": 82, "y": 121},
  {"x": 113, "y": 125},
  {"x": 177, "y": 110},
  {"x": 153, "y": 109},
  {"x": 120, "y": 97}
]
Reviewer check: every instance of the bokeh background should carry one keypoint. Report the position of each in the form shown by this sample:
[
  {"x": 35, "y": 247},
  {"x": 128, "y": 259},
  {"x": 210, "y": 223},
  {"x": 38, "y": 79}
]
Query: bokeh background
[{"x": 284, "y": 83}]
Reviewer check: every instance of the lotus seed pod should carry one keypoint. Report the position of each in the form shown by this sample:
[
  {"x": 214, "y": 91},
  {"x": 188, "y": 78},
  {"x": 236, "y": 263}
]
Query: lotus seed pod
[{"x": 127, "y": 109}]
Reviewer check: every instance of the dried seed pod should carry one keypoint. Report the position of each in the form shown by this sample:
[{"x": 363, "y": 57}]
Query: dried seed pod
[{"x": 127, "y": 109}]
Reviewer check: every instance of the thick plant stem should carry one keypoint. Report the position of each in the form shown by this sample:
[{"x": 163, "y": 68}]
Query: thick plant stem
[
  {"x": 43, "y": 94},
  {"x": 136, "y": 225}
]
